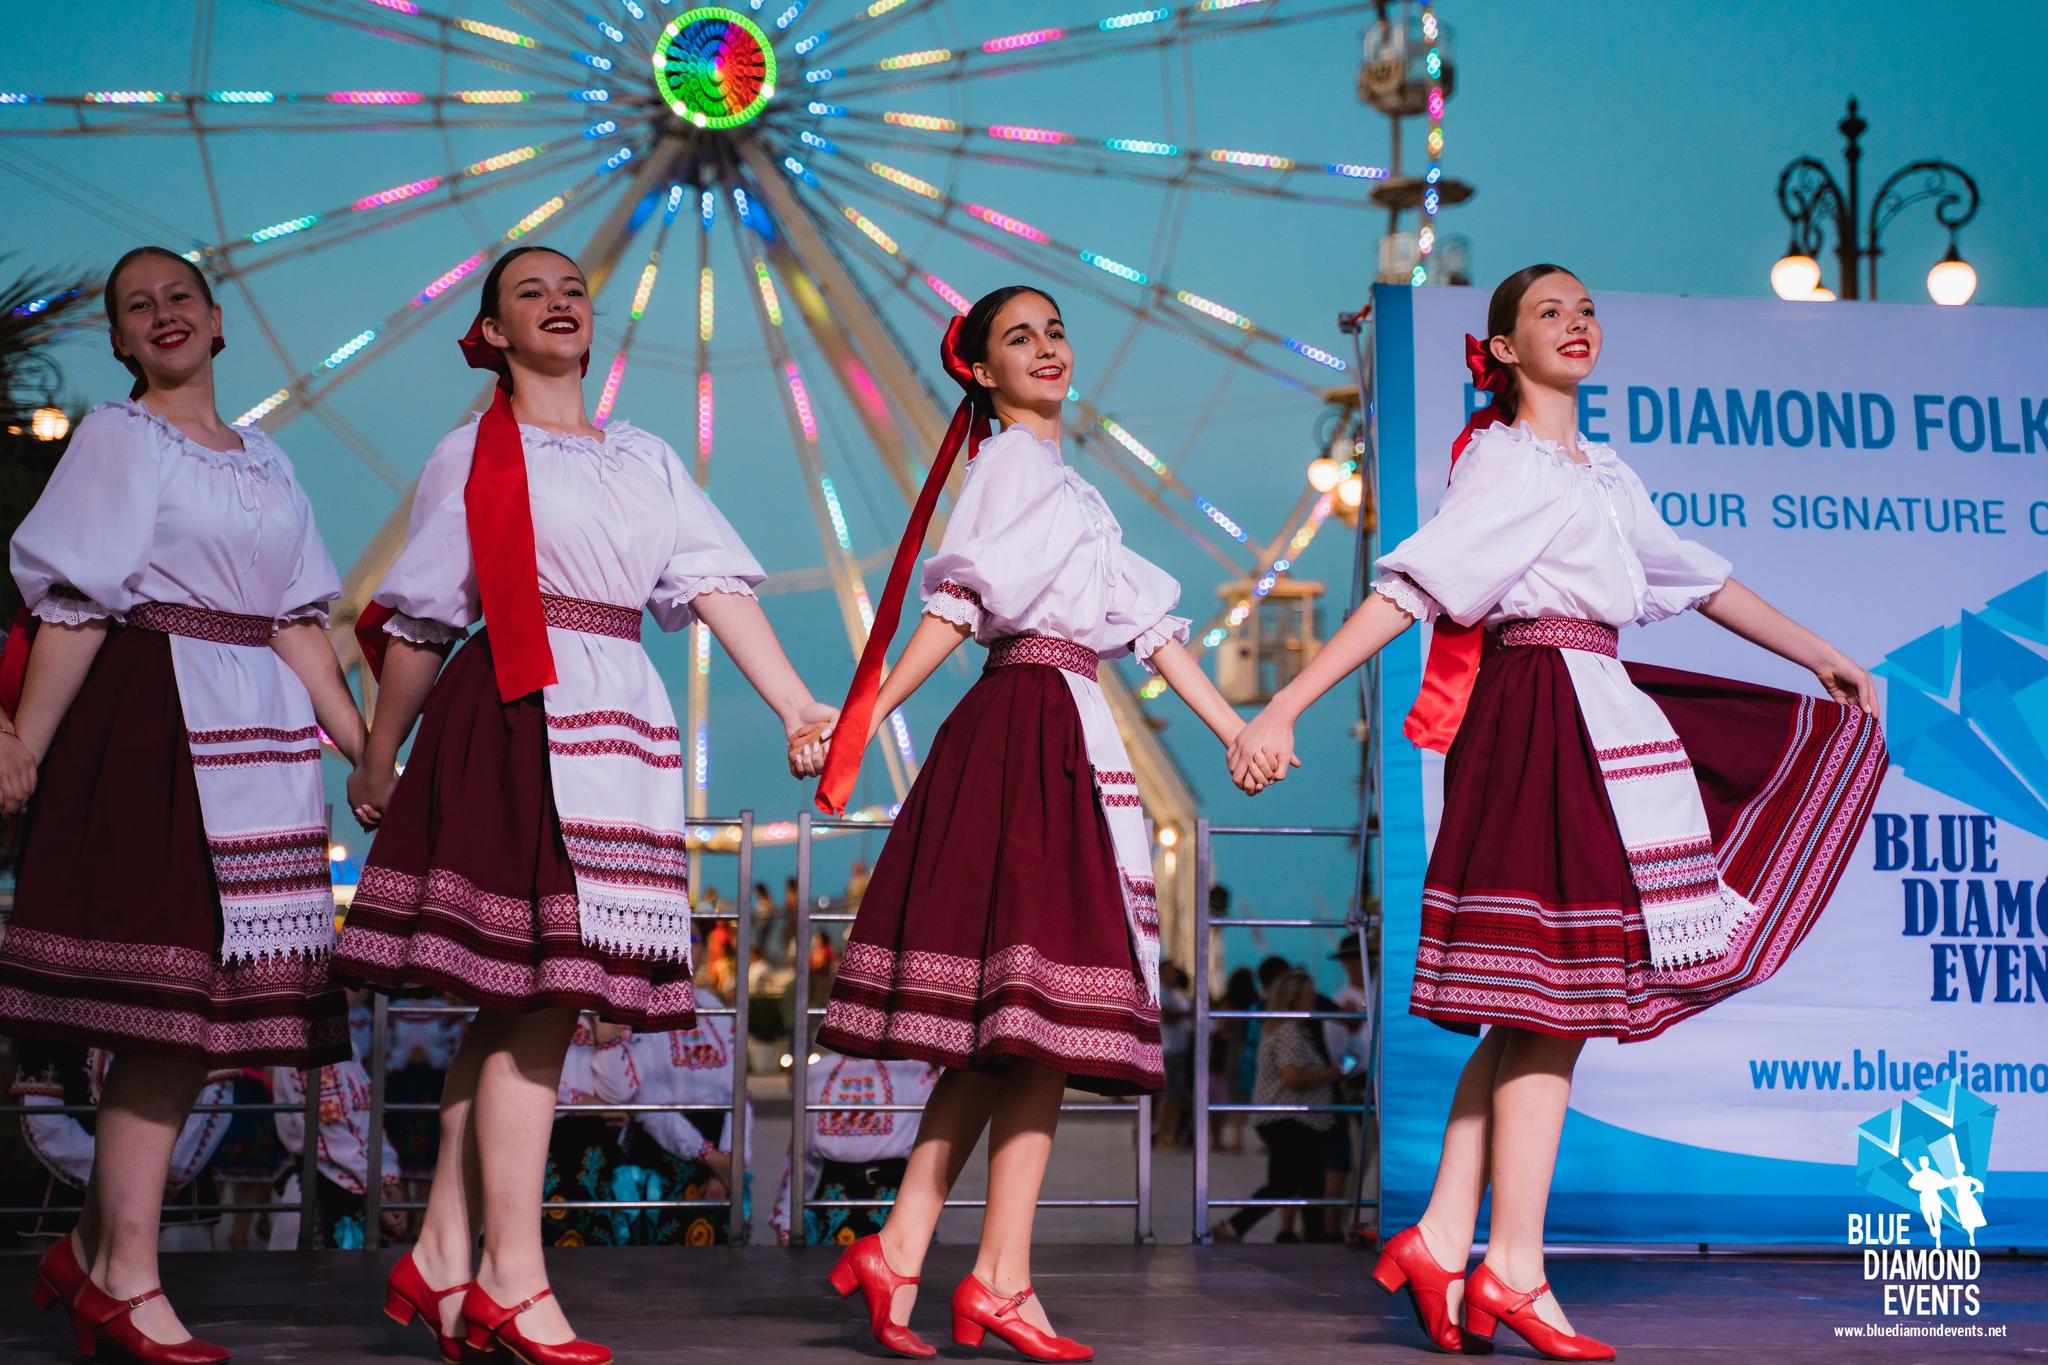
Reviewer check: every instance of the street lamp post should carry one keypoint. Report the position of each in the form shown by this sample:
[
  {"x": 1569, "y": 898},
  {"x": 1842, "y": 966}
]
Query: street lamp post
[{"x": 1811, "y": 199}]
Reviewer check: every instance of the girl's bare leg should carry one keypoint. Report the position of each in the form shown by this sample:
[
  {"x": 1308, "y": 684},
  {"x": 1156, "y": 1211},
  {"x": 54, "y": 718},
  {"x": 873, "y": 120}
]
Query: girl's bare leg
[
  {"x": 513, "y": 1118},
  {"x": 947, "y": 1131},
  {"x": 1530, "y": 1094},
  {"x": 143, "y": 1107},
  {"x": 446, "y": 1249},
  {"x": 1019, "y": 1145},
  {"x": 1461, "y": 1171}
]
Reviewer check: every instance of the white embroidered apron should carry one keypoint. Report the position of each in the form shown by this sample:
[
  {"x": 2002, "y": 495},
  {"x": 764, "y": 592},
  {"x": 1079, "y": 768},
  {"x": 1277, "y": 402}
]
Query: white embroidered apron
[{"x": 256, "y": 757}]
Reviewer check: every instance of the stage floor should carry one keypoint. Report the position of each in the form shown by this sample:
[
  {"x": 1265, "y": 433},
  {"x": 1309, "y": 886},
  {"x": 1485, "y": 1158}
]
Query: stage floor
[{"x": 1158, "y": 1304}]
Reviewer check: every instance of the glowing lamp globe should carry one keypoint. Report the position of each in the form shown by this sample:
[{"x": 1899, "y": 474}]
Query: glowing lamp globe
[
  {"x": 1821, "y": 294},
  {"x": 1951, "y": 282},
  {"x": 714, "y": 67},
  {"x": 50, "y": 424},
  {"x": 1795, "y": 277},
  {"x": 1324, "y": 474},
  {"x": 1351, "y": 492}
]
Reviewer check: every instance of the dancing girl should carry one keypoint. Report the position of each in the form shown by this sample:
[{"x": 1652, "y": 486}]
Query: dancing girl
[
  {"x": 174, "y": 905},
  {"x": 531, "y": 860},
  {"x": 1010, "y": 932},
  {"x": 1621, "y": 846}
]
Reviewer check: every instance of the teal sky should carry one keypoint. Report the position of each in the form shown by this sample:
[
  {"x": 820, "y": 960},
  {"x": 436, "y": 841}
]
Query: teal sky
[{"x": 1638, "y": 144}]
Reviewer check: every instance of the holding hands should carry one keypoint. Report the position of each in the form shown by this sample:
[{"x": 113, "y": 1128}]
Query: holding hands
[
  {"x": 1262, "y": 751},
  {"x": 809, "y": 734},
  {"x": 17, "y": 772}
]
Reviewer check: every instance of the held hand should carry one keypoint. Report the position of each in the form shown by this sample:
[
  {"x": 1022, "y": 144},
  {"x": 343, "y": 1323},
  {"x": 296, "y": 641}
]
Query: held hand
[
  {"x": 369, "y": 793},
  {"x": 808, "y": 737},
  {"x": 720, "y": 1164},
  {"x": 1848, "y": 682},
  {"x": 1263, "y": 751},
  {"x": 17, "y": 774}
]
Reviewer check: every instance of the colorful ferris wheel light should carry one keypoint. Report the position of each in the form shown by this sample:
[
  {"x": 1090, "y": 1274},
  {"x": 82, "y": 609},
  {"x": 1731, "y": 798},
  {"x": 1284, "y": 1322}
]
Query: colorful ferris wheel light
[
  {"x": 491, "y": 31},
  {"x": 1116, "y": 268},
  {"x": 1321, "y": 357},
  {"x": 714, "y": 68},
  {"x": 905, "y": 180},
  {"x": 501, "y": 161},
  {"x": 1260, "y": 160},
  {"x": 1135, "y": 19},
  {"x": 1140, "y": 147},
  {"x": 494, "y": 96},
  {"x": 1015, "y": 227},
  {"x": 1210, "y": 308},
  {"x": 930, "y": 56},
  {"x": 396, "y": 193},
  {"x": 447, "y": 280},
  {"x": 284, "y": 229},
  {"x": 375, "y": 97},
  {"x": 1017, "y": 40},
  {"x": 872, "y": 233},
  {"x": 1009, "y": 132},
  {"x": 924, "y": 123},
  {"x": 952, "y": 296}
]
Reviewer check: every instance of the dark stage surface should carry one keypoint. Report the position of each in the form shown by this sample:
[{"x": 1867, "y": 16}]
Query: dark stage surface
[{"x": 1168, "y": 1304}]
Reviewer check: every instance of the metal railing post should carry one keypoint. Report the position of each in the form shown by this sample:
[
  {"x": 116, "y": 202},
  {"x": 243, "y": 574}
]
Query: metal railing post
[
  {"x": 309, "y": 1155},
  {"x": 800, "y": 1034},
  {"x": 1205, "y": 873},
  {"x": 1143, "y": 1233},
  {"x": 373, "y": 1181},
  {"x": 737, "y": 1230}
]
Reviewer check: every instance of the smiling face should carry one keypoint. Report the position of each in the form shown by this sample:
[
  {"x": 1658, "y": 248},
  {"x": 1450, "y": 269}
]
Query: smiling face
[
  {"x": 1029, "y": 364},
  {"x": 1556, "y": 339},
  {"x": 543, "y": 315},
  {"x": 162, "y": 319}
]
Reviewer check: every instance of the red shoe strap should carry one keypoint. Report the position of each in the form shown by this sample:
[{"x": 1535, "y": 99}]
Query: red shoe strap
[
  {"x": 123, "y": 1307},
  {"x": 1016, "y": 1301},
  {"x": 440, "y": 1294},
  {"x": 526, "y": 1303},
  {"x": 1526, "y": 1300}
]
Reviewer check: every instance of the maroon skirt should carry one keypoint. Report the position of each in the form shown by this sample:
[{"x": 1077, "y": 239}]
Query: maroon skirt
[
  {"x": 468, "y": 888},
  {"x": 1529, "y": 915},
  {"x": 115, "y": 937},
  {"x": 993, "y": 928}
]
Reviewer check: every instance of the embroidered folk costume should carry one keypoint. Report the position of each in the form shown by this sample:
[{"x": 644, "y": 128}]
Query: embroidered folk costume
[
  {"x": 857, "y": 1153},
  {"x": 1012, "y": 912},
  {"x": 533, "y": 854},
  {"x": 174, "y": 896},
  {"x": 1621, "y": 845}
]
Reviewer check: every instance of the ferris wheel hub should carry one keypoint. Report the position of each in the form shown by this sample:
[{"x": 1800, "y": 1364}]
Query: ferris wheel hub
[{"x": 714, "y": 67}]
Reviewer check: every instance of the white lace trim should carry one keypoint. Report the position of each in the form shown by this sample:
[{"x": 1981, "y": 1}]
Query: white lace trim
[
  {"x": 418, "y": 630},
  {"x": 66, "y": 607},
  {"x": 256, "y": 457},
  {"x": 270, "y": 930},
  {"x": 312, "y": 611},
  {"x": 958, "y": 610},
  {"x": 693, "y": 588},
  {"x": 1402, "y": 592},
  {"x": 1167, "y": 628}
]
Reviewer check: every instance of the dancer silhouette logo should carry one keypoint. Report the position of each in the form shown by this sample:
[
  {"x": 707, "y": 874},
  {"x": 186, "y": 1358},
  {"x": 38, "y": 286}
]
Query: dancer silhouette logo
[{"x": 1928, "y": 1154}]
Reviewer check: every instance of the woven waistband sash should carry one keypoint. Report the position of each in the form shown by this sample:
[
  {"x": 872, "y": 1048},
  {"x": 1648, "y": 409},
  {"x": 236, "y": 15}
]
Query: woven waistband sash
[
  {"x": 591, "y": 618},
  {"x": 1563, "y": 632},
  {"x": 1043, "y": 649},
  {"x": 199, "y": 623}
]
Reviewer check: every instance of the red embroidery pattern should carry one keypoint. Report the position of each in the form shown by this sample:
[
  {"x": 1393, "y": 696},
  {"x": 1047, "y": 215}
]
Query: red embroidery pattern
[
  {"x": 444, "y": 931},
  {"x": 959, "y": 590},
  {"x": 271, "y": 864},
  {"x": 629, "y": 855},
  {"x": 1120, "y": 799},
  {"x": 1562, "y": 632},
  {"x": 1650, "y": 770},
  {"x": 1109, "y": 777},
  {"x": 250, "y": 757},
  {"x": 590, "y": 618},
  {"x": 873, "y": 1088},
  {"x": 251, "y": 732},
  {"x": 584, "y": 720},
  {"x": 198, "y": 623},
  {"x": 586, "y": 748},
  {"x": 1655, "y": 746},
  {"x": 1047, "y": 650},
  {"x": 1673, "y": 872}
]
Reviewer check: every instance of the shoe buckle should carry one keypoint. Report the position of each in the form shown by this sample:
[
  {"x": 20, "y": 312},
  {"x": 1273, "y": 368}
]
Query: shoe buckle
[{"x": 1016, "y": 1301}]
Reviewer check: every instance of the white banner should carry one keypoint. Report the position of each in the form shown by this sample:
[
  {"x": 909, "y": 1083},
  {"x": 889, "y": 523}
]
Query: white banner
[{"x": 1880, "y": 473}]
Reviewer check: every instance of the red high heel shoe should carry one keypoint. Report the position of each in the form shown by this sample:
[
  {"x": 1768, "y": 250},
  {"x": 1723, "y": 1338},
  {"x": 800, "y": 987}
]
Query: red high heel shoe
[
  {"x": 1407, "y": 1260},
  {"x": 58, "y": 1275},
  {"x": 979, "y": 1310},
  {"x": 1488, "y": 1300},
  {"x": 407, "y": 1295},
  {"x": 862, "y": 1266},
  {"x": 99, "y": 1320},
  {"x": 491, "y": 1324}
]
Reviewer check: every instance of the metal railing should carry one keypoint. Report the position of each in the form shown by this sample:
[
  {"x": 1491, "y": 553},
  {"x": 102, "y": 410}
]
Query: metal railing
[
  {"x": 803, "y": 1012},
  {"x": 1205, "y": 876}
]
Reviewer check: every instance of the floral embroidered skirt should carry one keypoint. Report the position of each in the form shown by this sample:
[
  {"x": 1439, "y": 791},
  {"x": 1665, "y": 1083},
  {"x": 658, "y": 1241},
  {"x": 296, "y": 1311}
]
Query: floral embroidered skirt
[
  {"x": 993, "y": 928},
  {"x": 1529, "y": 915},
  {"x": 115, "y": 936},
  {"x": 468, "y": 889}
]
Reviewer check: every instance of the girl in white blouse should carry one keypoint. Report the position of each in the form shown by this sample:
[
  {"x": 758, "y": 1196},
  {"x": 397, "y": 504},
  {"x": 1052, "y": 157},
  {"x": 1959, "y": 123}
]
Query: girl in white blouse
[
  {"x": 1009, "y": 933},
  {"x": 174, "y": 905},
  {"x": 532, "y": 858},
  {"x": 1621, "y": 846}
]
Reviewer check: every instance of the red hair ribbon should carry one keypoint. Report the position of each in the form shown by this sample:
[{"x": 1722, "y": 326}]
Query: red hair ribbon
[
  {"x": 1455, "y": 651},
  {"x": 499, "y": 509},
  {"x": 970, "y": 427}
]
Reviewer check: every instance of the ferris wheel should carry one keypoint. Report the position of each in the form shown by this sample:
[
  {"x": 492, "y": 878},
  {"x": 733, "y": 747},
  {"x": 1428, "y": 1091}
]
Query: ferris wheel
[{"x": 761, "y": 166}]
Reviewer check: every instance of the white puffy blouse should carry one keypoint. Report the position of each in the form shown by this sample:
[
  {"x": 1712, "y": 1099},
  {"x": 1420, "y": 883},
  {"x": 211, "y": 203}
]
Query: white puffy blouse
[
  {"x": 1525, "y": 531},
  {"x": 616, "y": 520},
  {"x": 137, "y": 512},
  {"x": 1032, "y": 549}
]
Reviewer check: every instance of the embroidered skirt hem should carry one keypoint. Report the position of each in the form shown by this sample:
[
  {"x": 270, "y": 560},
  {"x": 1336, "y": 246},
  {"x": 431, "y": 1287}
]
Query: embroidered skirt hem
[
  {"x": 1530, "y": 917},
  {"x": 468, "y": 888},
  {"x": 994, "y": 928},
  {"x": 114, "y": 941}
]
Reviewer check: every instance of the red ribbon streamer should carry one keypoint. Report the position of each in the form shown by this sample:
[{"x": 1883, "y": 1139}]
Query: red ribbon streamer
[
  {"x": 969, "y": 427},
  {"x": 1455, "y": 651}
]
